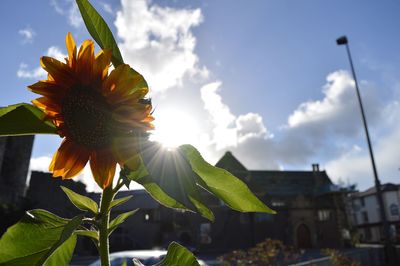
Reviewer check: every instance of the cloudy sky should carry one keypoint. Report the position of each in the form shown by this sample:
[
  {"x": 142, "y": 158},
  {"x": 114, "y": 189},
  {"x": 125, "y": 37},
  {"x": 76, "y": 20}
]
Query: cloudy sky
[{"x": 263, "y": 79}]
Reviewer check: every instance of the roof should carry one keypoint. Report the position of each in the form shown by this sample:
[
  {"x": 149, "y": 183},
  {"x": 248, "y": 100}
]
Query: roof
[
  {"x": 372, "y": 190},
  {"x": 291, "y": 183},
  {"x": 279, "y": 183},
  {"x": 230, "y": 163}
]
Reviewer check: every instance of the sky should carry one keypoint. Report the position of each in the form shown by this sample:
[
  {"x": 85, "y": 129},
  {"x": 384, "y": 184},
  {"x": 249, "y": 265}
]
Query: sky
[{"x": 262, "y": 79}]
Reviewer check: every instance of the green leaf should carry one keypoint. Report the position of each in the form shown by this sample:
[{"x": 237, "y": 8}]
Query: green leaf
[
  {"x": 88, "y": 233},
  {"x": 99, "y": 30},
  {"x": 63, "y": 253},
  {"x": 102, "y": 34},
  {"x": 81, "y": 202},
  {"x": 178, "y": 255},
  {"x": 231, "y": 190},
  {"x": 119, "y": 220},
  {"x": 39, "y": 237},
  {"x": 119, "y": 201},
  {"x": 170, "y": 180},
  {"x": 24, "y": 119}
]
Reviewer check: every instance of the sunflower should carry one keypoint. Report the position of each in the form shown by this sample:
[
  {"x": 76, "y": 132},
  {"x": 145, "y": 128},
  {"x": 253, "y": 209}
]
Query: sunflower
[{"x": 98, "y": 114}]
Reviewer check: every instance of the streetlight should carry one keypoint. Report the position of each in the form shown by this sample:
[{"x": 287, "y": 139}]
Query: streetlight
[{"x": 386, "y": 231}]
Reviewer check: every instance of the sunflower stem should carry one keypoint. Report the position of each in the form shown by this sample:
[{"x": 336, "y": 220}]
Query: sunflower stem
[{"x": 107, "y": 197}]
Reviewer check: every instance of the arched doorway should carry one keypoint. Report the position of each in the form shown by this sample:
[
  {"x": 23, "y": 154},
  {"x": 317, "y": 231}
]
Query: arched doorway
[{"x": 303, "y": 237}]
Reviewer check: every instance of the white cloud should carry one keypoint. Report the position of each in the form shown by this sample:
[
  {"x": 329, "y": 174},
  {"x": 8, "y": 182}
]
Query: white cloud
[
  {"x": 107, "y": 8},
  {"x": 28, "y": 34},
  {"x": 40, "y": 163},
  {"x": 69, "y": 9},
  {"x": 158, "y": 42},
  {"x": 24, "y": 72},
  {"x": 39, "y": 73},
  {"x": 230, "y": 131}
]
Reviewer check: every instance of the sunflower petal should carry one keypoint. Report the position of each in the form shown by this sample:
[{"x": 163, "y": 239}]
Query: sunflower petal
[
  {"x": 101, "y": 64},
  {"x": 103, "y": 168},
  {"x": 57, "y": 70},
  {"x": 48, "y": 88},
  {"x": 47, "y": 104},
  {"x": 127, "y": 113},
  {"x": 71, "y": 47},
  {"x": 69, "y": 160},
  {"x": 85, "y": 61}
]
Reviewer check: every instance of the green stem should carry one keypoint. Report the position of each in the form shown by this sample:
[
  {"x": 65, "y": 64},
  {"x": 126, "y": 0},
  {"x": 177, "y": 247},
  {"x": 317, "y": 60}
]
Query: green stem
[{"x": 107, "y": 197}]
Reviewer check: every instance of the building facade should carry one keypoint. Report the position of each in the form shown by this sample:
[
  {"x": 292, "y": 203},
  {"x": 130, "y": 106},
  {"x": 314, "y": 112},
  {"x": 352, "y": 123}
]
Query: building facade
[
  {"x": 365, "y": 213},
  {"x": 15, "y": 154},
  {"x": 310, "y": 214}
]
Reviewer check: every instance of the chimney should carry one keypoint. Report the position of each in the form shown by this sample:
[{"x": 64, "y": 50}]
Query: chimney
[{"x": 315, "y": 167}]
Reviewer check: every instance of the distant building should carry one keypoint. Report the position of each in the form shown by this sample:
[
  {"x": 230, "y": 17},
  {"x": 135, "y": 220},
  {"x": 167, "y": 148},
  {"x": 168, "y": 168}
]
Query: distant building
[
  {"x": 45, "y": 192},
  {"x": 15, "y": 154},
  {"x": 311, "y": 214},
  {"x": 365, "y": 215}
]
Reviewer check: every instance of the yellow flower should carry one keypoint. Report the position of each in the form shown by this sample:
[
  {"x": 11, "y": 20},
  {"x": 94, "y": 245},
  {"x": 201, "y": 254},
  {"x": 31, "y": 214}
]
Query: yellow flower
[{"x": 99, "y": 115}]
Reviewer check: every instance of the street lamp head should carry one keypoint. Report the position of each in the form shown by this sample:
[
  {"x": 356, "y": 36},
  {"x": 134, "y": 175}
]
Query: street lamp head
[{"x": 342, "y": 40}]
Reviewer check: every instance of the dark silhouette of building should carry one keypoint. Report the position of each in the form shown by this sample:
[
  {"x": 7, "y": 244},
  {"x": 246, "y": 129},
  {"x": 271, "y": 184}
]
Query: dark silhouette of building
[
  {"x": 15, "y": 154},
  {"x": 45, "y": 192},
  {"x": 310, "y": 208}
]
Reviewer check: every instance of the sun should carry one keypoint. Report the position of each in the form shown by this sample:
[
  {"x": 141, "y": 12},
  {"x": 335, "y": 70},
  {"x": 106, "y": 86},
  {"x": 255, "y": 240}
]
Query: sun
[{"x": 174, "y": 128}]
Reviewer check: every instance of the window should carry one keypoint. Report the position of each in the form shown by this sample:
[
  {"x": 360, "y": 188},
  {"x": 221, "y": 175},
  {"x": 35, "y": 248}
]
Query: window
[
  {"x": 324, "y": 215},
  {"x": 394, "y": 209},
  {"x": 365, "y": 217},
  {"x": 362, "y": 201},
  {"x": 277, "y": 203},
  {"x": 355, "y": 220},
  {"x": 263, "y": 217},
  {"x": 368, "y": 233}
]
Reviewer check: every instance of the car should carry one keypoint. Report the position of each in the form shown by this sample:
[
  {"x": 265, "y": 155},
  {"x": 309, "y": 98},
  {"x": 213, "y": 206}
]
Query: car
[{"x": 147, "y": 257}]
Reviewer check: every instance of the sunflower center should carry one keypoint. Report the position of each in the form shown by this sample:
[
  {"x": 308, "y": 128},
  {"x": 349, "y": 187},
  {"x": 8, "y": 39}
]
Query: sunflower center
[{"x": 87, "y": 117}]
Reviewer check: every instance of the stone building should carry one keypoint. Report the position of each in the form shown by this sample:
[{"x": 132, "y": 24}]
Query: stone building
[
  {"x": 310, "y": 208},
  {"x": 15, "y": 154}
]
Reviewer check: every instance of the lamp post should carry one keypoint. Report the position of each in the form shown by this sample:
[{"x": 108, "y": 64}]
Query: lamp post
[{"x": 391, "y": 259}]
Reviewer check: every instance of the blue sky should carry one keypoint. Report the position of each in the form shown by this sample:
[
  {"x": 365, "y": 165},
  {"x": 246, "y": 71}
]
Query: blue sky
[{"x": 264, "y": 79}]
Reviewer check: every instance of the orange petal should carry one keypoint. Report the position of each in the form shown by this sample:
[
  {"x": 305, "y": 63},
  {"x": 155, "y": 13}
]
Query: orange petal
[
  {"x": 48, "y": 88},
  {"x": 71, "y": 47},
  {"x": 101, "y": 64},
  {"x": 69, "y": 160},
  {"x": 57, "y": 70},
  {"x": 103, "y": 166},
  {"x": 47, "y": 104},
  {"x": 85, "y": 61},
  {"x": 126, "y": 113}
]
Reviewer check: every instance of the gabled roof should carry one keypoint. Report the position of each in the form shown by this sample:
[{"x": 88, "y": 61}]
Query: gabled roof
[
  {"x": 230, "y": 163},
  {"x": 291, "y": 183},
  {"x": 279, "y": 183},
  {"x": 372, "y": 190}
]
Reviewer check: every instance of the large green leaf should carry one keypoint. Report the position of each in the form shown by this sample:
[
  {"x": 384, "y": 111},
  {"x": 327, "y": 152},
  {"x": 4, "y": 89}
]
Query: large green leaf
[
  {"x": 102, "y": 34},
  {"x": 177, "y": 256},
  {"x": 63, "y": 253},
  {"x": 24, "y": 119},
  {"x": 228, "y": 188},
  {"x": 81, "y": 202},
  {"x": 176, "y": 179},
  {"x": 170, "y": 180},
  {"x": 40, "y": 238},
  {"x": 99, "y": 30}
]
